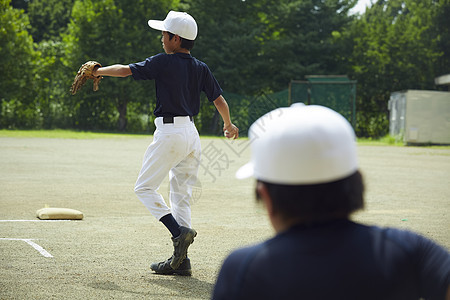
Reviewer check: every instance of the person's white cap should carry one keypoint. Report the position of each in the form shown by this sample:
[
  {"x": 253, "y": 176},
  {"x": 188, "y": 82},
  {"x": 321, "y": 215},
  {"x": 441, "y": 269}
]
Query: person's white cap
[
  {"x": 180, "y": 23},
  {"x": 301, "y": 145}
]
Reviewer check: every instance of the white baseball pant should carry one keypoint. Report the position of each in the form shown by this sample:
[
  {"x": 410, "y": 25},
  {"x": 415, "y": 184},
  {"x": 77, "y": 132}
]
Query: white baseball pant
[{"x": 176, "y": 151}]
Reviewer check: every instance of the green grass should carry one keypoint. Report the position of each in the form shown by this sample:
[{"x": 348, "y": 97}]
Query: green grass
[
  {"x": 384, "y": 141},
  {"x": 394, "y": 141},
  {"x": 73, "y": 134},
  {"x": 65, "y": 134}
]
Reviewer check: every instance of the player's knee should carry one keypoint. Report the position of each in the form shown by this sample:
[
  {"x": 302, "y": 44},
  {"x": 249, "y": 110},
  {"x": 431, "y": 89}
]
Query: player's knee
[
  {"x": 142, "y": 190},
  {"x": 139, "y": 190}
]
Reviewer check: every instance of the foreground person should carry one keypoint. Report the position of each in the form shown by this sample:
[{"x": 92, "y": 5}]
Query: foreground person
[{"x": 305, "y": 164}]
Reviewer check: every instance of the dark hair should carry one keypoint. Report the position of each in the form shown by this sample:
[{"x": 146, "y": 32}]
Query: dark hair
[
  {"x": 317, "y": 202},
  {"x": 186, "y": 44}
]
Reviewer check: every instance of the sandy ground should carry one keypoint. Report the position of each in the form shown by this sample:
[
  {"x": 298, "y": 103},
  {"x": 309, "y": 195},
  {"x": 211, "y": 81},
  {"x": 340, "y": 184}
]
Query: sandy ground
[{"x": 107, "y": 254}]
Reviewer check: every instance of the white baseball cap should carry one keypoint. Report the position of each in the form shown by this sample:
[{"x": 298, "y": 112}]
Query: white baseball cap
[
  {"x": 180, "y": 23},
  {"x": 301, "y": 145}
]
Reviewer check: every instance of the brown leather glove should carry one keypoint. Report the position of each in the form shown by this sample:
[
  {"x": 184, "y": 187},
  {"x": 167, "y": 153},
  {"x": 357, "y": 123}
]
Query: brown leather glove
[{"x": 85, "y": 73}]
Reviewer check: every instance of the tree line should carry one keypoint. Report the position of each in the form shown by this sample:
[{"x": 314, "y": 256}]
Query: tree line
[{"x": 252, "y": 47}]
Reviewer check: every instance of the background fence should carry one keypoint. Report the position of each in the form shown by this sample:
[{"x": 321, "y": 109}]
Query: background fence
[{"x": 335, "y": 92}]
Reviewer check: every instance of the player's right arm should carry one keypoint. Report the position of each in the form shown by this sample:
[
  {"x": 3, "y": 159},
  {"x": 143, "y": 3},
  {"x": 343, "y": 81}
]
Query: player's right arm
[
  {"x": 230, "y": 130},
  {"x": 113, "y": 70}
]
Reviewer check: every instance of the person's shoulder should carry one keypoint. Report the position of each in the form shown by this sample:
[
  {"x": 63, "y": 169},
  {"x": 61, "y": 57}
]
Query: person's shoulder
[
  {"x": 151, "y": 61},
  {"x": 243, "y": 252},
  {"x": 398, "y": 235},
  {"x": 238, "y": 256},
  {"x": 200, "y": 62},
  {"x": 404, "y": 240},
  {"x": 159, "y": 56}
]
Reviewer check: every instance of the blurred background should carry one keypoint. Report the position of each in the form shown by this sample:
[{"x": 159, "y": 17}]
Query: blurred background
[{"x": 351, "y": 54}]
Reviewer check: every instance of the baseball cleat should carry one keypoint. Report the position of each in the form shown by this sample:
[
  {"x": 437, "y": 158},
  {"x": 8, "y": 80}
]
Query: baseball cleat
[
  {"x": 181, "y": 244},
  {"x": 164, "y": 268}
]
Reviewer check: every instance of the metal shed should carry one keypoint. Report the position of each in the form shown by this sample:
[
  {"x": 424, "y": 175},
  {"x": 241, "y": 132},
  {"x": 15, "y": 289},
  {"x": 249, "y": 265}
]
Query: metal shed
[{"x": 420, "y": 117}]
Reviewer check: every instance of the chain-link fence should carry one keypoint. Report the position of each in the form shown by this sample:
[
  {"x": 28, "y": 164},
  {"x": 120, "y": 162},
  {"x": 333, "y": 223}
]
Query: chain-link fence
[
  {"x": 245, "y": 110},
  {"x": 335, "y": 92}
]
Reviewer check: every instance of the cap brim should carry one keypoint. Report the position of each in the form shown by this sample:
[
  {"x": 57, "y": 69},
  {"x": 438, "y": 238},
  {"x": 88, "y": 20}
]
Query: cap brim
[
  {"x": 156, "y": 24},
  {"x": 245, "y": 171}
]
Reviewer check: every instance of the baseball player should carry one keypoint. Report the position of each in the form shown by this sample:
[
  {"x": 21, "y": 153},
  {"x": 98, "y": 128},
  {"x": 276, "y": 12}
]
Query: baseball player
[
  {"x": 175, "y": 150},
  {"x": 304, "y": 161}
]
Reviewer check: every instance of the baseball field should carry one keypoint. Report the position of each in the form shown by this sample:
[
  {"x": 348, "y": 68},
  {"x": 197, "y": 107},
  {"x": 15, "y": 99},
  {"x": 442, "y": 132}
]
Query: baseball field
[{"x": 107, "y": 254}]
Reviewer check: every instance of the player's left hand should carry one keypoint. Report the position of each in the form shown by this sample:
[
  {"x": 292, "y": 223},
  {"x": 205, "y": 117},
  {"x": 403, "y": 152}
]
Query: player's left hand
[
  {"x": 86, "y": 72},
  {"x": 231, "y": 131}
]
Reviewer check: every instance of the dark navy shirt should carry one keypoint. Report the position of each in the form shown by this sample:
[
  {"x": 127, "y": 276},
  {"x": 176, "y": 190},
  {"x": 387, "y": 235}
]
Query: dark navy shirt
[
  {"x": 337, "y": 260},
  {"x": 179, "y": 80}
]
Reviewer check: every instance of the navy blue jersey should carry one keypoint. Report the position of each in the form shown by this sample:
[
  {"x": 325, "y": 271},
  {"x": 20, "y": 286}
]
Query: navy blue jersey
[
  {"x": 179, "y": 80},
  {"x": 337, "y": 260}
]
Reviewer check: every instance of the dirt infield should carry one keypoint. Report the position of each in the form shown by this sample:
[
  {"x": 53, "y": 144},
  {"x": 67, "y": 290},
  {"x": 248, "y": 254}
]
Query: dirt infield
[{"x": 107, "y": 254}]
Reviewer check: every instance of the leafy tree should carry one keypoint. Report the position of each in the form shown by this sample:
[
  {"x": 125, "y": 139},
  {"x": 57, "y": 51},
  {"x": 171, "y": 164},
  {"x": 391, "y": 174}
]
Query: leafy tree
[
  {"x": 394, "y": 47},
  {"x": 112, "y": 31},
  {"x": 17, "y": 56},
  {"x": 302, "y": 40},
  {"x": 49, "y": 18},
  {"x": 252, "y": 47},
  {"x": 255, "y": 46},
  {"x": 20, "y": 4},
  {"x": 52, "y": 90},
  {"x": 229, "y": 41},
  {"x": 45, "y": 99},
  {"x": 442, "y": 31}
]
